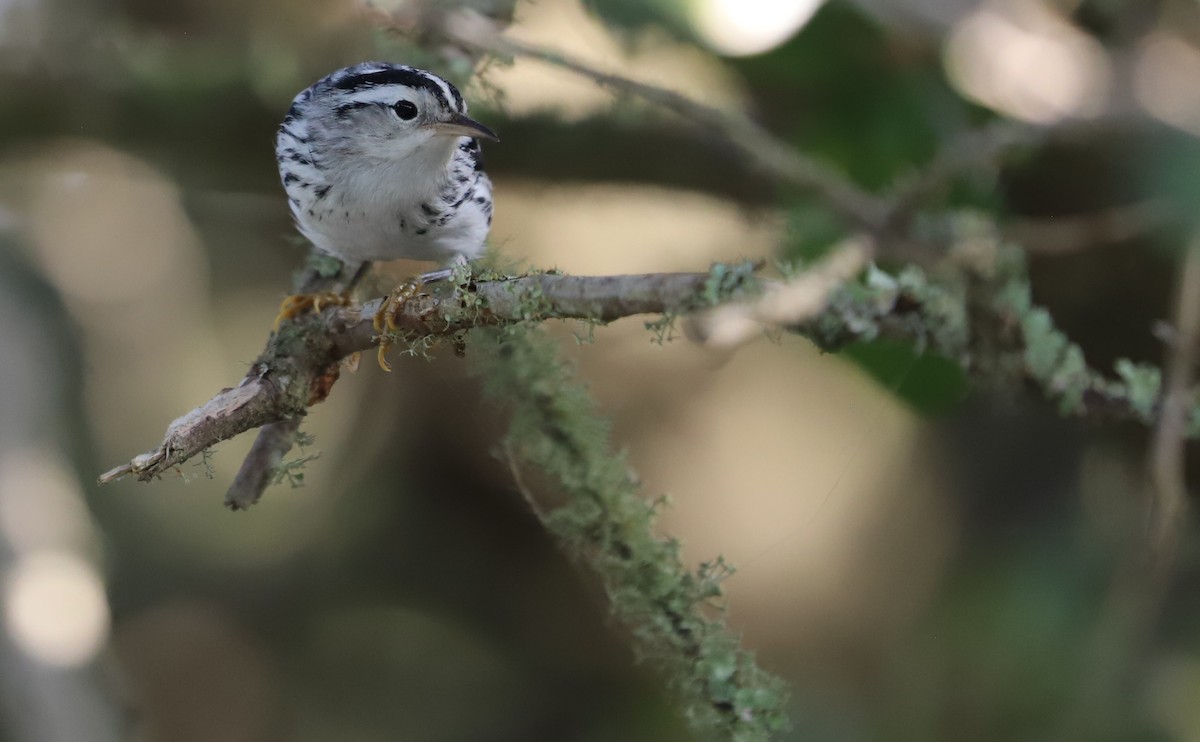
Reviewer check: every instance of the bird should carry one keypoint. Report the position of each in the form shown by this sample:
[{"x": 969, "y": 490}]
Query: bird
[{"x": 380, "y": 161}]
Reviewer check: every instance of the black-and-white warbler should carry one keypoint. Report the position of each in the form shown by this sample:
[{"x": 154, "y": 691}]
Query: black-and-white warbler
[{"x": 380, "y": 161}]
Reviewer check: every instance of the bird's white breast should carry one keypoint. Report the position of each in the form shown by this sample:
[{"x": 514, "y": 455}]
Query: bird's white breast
[{"x": 361, "y": 209}]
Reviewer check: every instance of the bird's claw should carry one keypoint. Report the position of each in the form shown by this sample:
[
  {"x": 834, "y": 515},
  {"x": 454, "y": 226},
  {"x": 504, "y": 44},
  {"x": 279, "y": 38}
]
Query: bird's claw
[
  {"x": 298, "y": 304},
  {"x": 384, "y": 320}
]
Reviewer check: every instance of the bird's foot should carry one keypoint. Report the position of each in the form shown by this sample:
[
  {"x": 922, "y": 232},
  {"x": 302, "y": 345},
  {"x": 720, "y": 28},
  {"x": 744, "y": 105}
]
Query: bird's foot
[
  {"x": 384, "y": 321},
  {"x": 299, "y": 304}
]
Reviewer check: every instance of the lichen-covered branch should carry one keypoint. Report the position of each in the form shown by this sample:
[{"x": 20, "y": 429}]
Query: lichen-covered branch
[
  {"x": 981, "y": 315},
  {"x": 604, "y": 520},
  {"x": 301, "y": 361},
  {"x": 985, "y": 320},
  {"x": 784, "y": 303}
]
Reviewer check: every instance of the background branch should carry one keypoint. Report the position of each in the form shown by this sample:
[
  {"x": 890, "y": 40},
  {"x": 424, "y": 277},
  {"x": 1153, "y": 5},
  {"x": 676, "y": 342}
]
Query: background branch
[
  {"x": 976, "y": 149},
  {"x": 884, "y": 217},
  {"x": 1177, "y": 422},
  {"x": 773, "y": 157}
]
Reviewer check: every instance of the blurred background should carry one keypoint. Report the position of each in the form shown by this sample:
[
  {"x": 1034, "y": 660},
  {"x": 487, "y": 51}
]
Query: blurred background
[{"x": 917, "y": 560}]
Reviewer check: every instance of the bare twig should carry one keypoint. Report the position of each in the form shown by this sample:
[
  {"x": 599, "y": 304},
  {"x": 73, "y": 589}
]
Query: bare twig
[
  {"x": 972, "y": 150},
  {"x": 1170, "y": 435},
  {"x": 258, "y": 468},
  {"x": 1143, "y": 577}
]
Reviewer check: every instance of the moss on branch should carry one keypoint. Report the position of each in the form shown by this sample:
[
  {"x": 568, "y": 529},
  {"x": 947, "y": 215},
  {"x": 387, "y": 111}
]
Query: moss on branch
[{"x": 604, "y": 521}]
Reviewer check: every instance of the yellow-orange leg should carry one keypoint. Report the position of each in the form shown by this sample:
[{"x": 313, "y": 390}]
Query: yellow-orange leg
[
  {"x": 298, "y": 304},
  {"x": 384, "y": 320}
]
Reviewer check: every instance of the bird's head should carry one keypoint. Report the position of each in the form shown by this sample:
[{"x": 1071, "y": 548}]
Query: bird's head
[{"x": 388, "y": 112}]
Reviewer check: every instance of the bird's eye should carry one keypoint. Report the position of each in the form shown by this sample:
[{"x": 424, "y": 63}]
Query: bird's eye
[{"x": 405, "y": 109}]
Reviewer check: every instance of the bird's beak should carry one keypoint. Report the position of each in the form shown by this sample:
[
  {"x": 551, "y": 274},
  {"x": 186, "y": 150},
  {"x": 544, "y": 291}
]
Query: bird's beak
[{"x": 459, "y": 125}]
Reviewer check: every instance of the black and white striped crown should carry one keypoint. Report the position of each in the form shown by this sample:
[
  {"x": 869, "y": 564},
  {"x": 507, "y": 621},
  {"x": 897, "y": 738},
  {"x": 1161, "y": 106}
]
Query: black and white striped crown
[{"x": 370, "y": 82}]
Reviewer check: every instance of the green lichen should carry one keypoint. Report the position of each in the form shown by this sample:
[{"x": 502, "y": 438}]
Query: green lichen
[
  {"x": 292, "y": 470},
  {"x": 531, "y": 302},
  {"x": 585, "y": 332},
  {"x": 983, "y": 317},
  {"x": 605, "y": 522},
  {"x": 415, "y": 346},
  {"x": 948, "y": 328},
  {"x": 1044, "y": 345},
  {"x": 729, "y": 280},
  {"x": 1141, "y": 385},
  {"x": 1051, "y": 359},
  {"x": 906, "y": 306},
  {"x": 725, "y": 282},
  {"x": 663, "y": 328},
  {"x": 1071, "y": 381},
  {"x": 204, "y": 465}
]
